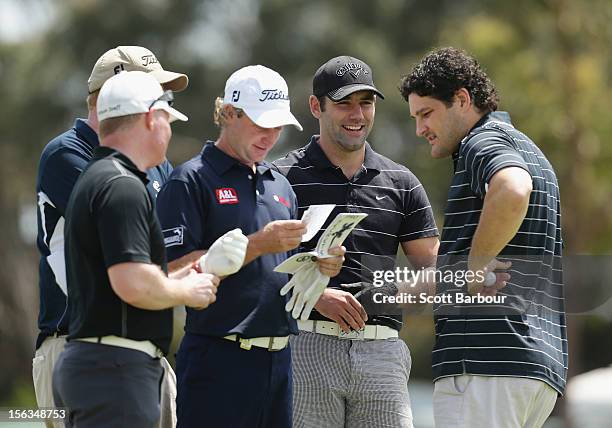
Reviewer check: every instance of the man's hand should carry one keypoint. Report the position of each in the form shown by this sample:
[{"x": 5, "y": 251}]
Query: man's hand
[
  {"x": 276, "y": 237},
  {"x": 331, "y": 266},
  {"x": 484, "y": 287},
  {"x": 200, "y": 289},
  {"x": 226, "y": 255},
  {"x": 342, "y": 308}
]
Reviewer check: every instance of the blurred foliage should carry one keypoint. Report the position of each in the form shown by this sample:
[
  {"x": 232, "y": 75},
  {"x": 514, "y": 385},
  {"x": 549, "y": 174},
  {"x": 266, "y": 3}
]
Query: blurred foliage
[{"x": 550, "y": 60}]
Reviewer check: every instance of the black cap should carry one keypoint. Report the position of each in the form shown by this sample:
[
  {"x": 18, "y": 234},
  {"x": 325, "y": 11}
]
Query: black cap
[{"x": 341, "y": 76}]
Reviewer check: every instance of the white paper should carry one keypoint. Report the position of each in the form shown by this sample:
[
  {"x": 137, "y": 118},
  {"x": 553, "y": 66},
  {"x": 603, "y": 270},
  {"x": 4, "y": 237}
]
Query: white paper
[
  {"x": 334, "y": 235},
  {"x": 337, "y": 231},
  {"x": 315, "y": 217},
  {"x": 296, "y": 262}
]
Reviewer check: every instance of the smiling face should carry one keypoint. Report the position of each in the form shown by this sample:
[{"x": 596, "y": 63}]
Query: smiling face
[
  {"x": 442, "y": 126},
  {"x": 348, "y": 122},
  {"x": 244, "y": 140}
]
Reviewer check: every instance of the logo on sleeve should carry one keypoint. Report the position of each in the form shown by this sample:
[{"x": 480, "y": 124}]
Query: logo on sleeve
[
  {"x": 282, "y": 200},
  {"x": 173, "y": 236},
  {"x": 227, "y": 195}
]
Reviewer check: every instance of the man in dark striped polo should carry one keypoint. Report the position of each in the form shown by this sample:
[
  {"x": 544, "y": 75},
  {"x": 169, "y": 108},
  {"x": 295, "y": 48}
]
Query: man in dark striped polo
[
  {"x": 502, "y": 364},
  {"x": 349, "y": 366}
]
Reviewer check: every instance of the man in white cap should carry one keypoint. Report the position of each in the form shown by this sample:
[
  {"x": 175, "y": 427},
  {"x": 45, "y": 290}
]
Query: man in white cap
[
  {"x": 234, "y": 363},
  {"x": 62, "y": 161},
  {"x": 119, "y": 295}
]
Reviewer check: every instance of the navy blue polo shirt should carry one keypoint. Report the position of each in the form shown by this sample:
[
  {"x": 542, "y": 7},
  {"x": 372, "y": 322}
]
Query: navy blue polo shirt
[
  {"x": 61, "y": 162},
  {"x": 208, "y": 196}
]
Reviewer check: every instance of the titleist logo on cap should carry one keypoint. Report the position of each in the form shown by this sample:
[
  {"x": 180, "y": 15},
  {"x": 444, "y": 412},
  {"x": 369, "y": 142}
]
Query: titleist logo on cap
[
  {"x": 273, "y": 94},
  {"x": 148, "y": 60}
]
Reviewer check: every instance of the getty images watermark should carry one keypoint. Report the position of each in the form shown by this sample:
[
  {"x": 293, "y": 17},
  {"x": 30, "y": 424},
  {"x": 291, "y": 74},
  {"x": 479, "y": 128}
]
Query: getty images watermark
[
  {"x": 414, "y": 279},
  {"x": 532, "y": 286}
]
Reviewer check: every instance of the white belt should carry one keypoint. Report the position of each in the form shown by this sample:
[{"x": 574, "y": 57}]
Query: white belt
[
  {"x": 328, "y": 328},
  {"x": 269, "y": 343},
  {"x": 145, "y": 346}
]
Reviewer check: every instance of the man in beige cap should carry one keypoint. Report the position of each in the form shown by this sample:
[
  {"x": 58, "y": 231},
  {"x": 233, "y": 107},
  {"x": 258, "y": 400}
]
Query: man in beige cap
[
  {"x": 61, "y": 162},
  {"x": 133, "y": 58},
  {"x": 119, "y": 293}
]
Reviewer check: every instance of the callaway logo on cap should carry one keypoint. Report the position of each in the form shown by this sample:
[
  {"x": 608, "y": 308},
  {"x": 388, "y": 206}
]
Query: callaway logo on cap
[
  {"x": 133, "y": 58},
  {"x": 341, "y": 76},
  {"x": 262, "y": 94}
]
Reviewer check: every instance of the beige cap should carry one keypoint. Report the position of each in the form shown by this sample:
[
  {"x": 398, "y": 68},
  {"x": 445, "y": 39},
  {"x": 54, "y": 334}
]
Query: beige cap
[{"x": 133, "y": 58}]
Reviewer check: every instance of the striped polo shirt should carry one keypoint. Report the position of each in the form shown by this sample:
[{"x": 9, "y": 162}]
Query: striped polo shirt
[
  {"x": 525, "y": 335},
  {"x": 396, "y": 203}
]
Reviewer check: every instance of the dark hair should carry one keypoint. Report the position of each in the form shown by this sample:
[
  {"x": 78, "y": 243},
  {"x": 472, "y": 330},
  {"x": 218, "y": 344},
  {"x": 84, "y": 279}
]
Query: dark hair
[
  {"x": 322, "y": 100},
  {"x": 443, "y": 72}
]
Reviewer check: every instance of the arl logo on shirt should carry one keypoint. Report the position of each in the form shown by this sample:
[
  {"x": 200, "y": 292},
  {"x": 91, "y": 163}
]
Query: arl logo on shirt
[{"x": 227, "y": 195}]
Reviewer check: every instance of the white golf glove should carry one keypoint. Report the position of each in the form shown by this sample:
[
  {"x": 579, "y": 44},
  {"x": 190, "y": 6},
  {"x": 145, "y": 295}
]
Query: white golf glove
[
  {"x": 226, "y": 255},
  {"x": 308, "y": 283}
]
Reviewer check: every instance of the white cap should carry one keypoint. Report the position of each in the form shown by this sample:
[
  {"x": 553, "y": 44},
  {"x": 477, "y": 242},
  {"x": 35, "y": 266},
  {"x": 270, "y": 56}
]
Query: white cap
[
  {"x": 132, "y": 92},
  {"x": 263, "y": 95}
]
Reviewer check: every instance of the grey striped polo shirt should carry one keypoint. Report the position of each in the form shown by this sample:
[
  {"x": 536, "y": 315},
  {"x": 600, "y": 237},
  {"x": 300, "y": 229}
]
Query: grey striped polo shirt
[
  {"x": 525, "y": 336},
  {"x": 396, "y": 203}
]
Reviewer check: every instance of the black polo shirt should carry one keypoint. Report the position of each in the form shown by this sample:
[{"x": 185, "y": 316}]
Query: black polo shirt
[
  {"x": 208, "y": 196},
  {"x": 61, "y": 162},
  {"x": 110, "y": 219},
  {"x": 526, "y": 335},
  {"x": 396, "y": 203}
]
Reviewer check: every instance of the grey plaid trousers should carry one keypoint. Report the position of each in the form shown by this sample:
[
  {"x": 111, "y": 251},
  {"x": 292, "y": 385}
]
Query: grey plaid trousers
[{"x": 341, "y": 383}]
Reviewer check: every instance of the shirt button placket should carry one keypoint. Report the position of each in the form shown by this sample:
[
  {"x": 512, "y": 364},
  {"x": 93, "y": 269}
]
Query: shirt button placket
[
  {"x": 350, "y": 197},
  {"x": 254, "y": 180}
]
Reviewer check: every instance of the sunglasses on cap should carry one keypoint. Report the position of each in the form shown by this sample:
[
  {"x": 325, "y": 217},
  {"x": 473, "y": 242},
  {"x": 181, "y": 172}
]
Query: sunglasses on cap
[{"x": 167, "y": 96}]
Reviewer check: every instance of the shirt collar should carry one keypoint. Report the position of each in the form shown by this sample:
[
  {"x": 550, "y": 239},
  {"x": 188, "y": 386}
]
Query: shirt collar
[
  {"x": 500, "y": 116},
  {"x": 221, "y": 162},
  {"x": 87, "y": 133},
  {"x": 105, "y": 152},
  {"x": 318, "y": 158}
]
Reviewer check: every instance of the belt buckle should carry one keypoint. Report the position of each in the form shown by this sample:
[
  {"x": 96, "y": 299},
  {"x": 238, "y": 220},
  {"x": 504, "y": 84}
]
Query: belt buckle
[
  {"x": 245, "y": 344},
  {"x": 271, "y": 344},
  {"x": 352, "y": 335}
]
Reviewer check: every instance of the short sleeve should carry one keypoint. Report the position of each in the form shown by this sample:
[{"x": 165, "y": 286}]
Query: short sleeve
[
  {"x": 59, "y": 176},
  {"x": 122, "y": 211},
  {"x": 418, "y": 221},
  {"x": 485, "y": 154},
  {"x": 180, "y": 213}
]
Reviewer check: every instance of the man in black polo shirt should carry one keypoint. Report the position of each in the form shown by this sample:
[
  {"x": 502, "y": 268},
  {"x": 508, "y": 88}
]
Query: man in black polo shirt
[
  {"x": 355, "y": 382},
  {"x": 234, "y": 365},
  {"x": 502, "y": 364},
  {"x": 120, "y": 297},
  {"x": 61, "y": 162}
]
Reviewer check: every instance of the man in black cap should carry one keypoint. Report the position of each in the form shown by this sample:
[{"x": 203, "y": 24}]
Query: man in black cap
[{"x": 361, "y": 381}]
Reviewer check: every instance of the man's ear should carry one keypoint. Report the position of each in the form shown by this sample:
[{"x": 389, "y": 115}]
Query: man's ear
[
  {"x": 464, "y": 98},
  {"x": 228, "y": 112},
  {"x": 315, "y": 106},
  {"x": 149, "y": 118}
]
